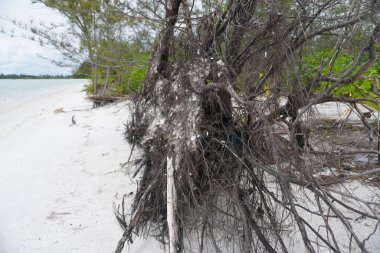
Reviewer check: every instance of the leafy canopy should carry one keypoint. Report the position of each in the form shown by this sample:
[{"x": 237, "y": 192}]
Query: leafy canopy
[{"x": 333, "y": 63}]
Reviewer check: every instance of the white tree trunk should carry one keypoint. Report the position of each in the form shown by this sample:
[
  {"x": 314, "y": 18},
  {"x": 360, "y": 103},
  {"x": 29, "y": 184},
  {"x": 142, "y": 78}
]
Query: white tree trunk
[{"x": 171, "y": 208}]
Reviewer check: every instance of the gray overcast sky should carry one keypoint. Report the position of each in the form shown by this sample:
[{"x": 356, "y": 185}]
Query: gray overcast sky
[{"x": 19, "y": 55}]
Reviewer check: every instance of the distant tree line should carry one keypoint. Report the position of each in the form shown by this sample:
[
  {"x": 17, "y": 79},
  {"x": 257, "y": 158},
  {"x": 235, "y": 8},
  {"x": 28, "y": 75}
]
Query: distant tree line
[{"x": 23, "y": 76}]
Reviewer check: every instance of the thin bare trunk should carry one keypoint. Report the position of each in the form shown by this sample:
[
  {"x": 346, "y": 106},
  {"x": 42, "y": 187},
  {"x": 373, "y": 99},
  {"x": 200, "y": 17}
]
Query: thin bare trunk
[
  {"x": 171, "y": 207},
  {"x": 94, "y": 67},
  {"x": 106, "y": 82}
]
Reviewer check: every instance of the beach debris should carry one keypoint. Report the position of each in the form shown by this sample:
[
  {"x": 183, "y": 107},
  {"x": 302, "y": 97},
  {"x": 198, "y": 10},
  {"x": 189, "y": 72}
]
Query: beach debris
[
  {"x": 73, "y": 122},
  {"x": 59, "y": 110},
  {"x": 348, "y": 166}
]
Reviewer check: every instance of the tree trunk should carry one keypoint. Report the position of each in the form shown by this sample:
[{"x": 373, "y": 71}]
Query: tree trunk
[
  {"x": 171, "y": 206},
  {"x": 106, "y": 82},
  {"x": 94, "y": 67}
]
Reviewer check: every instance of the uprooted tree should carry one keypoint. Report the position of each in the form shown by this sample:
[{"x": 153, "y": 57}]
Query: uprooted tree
[{"x": 216, "y": 174}]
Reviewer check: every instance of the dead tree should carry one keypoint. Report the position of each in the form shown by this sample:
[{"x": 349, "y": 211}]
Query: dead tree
[{"x": 213, "y": 168}]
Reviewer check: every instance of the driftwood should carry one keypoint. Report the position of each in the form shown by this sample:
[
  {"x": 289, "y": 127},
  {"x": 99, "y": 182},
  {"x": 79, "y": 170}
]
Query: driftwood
[{"x": 100, "y": 100}]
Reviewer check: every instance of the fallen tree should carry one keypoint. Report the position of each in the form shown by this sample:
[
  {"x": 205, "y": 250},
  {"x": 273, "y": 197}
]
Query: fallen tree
[{"x": 215, "y": 169}]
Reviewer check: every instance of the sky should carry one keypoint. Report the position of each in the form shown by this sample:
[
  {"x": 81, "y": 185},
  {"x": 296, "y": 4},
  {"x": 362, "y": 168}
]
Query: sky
[{"x": 19, "y": 55}]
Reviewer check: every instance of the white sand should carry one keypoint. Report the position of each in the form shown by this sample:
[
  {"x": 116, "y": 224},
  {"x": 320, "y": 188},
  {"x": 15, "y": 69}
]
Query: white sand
[{"x": 57, "y": 182}]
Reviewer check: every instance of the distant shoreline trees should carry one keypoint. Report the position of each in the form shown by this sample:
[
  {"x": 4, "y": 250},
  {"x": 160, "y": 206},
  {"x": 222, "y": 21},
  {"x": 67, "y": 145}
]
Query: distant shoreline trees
[{"x": 24, "y": 76}]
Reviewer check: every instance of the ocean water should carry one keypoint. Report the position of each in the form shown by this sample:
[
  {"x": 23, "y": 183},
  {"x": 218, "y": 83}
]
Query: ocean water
[{"x": 17, "y": 90}]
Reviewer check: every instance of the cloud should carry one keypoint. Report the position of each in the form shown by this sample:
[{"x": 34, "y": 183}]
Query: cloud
[{"x": 19, "y": 55}]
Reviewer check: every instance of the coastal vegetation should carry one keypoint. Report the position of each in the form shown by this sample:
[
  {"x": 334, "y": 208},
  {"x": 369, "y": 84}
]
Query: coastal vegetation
[
  {"x": 107, "y": 46},
  {"x": 364, "y": 88}
]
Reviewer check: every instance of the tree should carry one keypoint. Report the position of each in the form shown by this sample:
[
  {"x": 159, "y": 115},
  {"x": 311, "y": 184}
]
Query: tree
[
  {"x": 213, "y": 167},
  {"x": 84, "y": 18},
  {"x": 99, "y": 30}
]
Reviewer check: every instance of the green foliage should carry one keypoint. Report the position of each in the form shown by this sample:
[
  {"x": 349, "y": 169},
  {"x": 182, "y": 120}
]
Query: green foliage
[
  {"x": 331, "y": 63},
  {"x": 83, "y": 71},
  {"x": 125, "y": 76},
  {"x": 131, "y": 81},
  {"x": 129, "y": 78},
  {"x": 100, "y": 27},
  {"x": 89, "y": 88}
]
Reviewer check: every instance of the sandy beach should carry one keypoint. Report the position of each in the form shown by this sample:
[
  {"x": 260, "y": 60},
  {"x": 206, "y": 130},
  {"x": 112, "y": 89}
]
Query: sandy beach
[{"x": 57, "y": 180}]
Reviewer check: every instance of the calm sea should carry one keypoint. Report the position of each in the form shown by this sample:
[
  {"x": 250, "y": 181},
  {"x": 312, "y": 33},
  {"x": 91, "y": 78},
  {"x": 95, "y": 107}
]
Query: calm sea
[{"x": 16, "y": 90}]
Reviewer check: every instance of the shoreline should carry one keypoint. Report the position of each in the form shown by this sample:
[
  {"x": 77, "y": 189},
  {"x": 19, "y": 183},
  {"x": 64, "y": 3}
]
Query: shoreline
[{"x": 31, "y": 96}]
